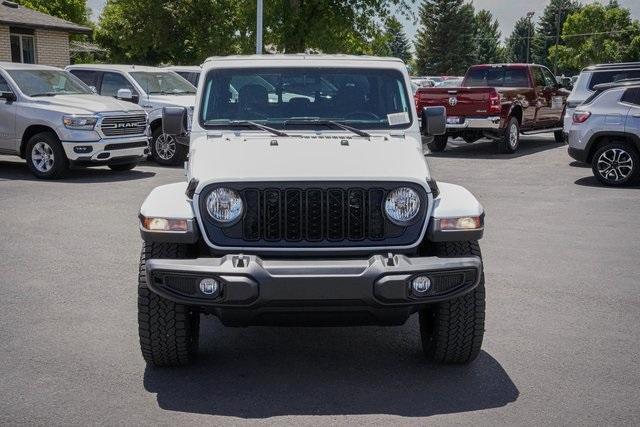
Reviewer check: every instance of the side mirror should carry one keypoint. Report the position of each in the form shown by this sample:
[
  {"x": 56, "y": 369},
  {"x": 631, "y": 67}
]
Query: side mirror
[
  {"x": 127, "y": 95},
  {"x": 434, "y": 121},
  {"x": 93, "y": 89},
  {"x": 8, "y": 96},
  {"x": 175, "y": 121}
]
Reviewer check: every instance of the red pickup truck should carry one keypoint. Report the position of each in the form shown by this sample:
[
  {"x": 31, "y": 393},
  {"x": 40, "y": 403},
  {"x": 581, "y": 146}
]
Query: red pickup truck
[{"x": 499, "y": 102}]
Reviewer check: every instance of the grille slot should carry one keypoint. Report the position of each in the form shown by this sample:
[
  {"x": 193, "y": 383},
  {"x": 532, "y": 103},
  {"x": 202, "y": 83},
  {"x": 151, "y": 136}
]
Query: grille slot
[{"x": 124, "y": 125}]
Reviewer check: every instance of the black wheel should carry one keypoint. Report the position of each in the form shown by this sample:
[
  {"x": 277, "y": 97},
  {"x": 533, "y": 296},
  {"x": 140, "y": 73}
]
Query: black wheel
[
  {"x": 616, "y": 164},
  {"x": 165, "y": 149},
  {"x": 560, "y": 136},
  {"x": 510, "y": 140},
  {"x": 169, "y": 332},
  {"x": 452, "y": 331},
  {"x": 438, "y": 144},
  {"x": 123, "y": 166},
  {"x": 45, "y": 156}
]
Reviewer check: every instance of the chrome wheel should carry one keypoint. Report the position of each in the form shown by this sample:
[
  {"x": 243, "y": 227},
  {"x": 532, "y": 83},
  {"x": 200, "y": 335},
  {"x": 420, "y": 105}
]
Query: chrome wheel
[
  {"x": 42, "y": 157},
  {"x": 165, "y": 147},
  {"x": 513, "y": 135},
  {"x": 615, "y": 164}
]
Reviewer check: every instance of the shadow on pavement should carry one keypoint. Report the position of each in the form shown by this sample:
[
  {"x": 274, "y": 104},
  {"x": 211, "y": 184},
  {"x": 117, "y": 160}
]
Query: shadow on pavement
[
  {"x": 486, "y": 149},
  {"x": 577, "y": 164},
  {"x": 20, "y": 171},
  {"x": 592, "y": 181},
  {"x": 267, "y": 372}
]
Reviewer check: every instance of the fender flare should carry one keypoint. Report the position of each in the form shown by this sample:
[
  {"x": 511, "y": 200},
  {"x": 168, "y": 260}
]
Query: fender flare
[
  {"x": 169, "y": 201},
  {"x": 455, "y": 201}
]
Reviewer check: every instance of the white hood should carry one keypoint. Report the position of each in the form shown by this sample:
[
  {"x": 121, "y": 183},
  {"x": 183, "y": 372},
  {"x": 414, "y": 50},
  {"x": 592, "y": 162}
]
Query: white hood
[
  {"x": 173, "y": 100},
  {"x": 236, "y": 159},
  {"x": 86, "y": 104}
]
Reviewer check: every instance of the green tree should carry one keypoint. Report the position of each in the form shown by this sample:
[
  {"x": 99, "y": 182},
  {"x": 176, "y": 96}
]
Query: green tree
[
  {"x": 549, "y": 28},
  {"x": 445, "y": 39},
  {"x": 487, "y": 38},
  {"x": 397, "y": 40},
  {"x": 516, "y": 44},
  {"x": 597, "y": 34},
  {"x": 70, "y": 10}
]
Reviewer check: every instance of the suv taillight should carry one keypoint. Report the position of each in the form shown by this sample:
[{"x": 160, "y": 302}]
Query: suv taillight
[
  {"x": 495, "y": 106},
  {"x": 581, "y": 116}
]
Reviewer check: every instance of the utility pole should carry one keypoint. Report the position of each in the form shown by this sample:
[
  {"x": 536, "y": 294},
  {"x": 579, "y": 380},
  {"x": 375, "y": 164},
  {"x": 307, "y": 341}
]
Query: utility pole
[
  {"x": 529, "y": 16},
  {"x": 259, "y": 10}
]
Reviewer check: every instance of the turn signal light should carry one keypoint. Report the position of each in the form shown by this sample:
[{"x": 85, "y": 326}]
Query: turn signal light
[
  {"x": 164, "y": 224},
  {"x": 462, "y": 223},
  {"x": 581, "y": 116}
]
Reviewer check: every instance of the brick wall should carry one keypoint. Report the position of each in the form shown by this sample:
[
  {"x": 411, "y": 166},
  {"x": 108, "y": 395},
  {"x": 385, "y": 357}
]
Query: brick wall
[
  {"x": 5, "y": 44},
  {"x": 52, "y": 48}
]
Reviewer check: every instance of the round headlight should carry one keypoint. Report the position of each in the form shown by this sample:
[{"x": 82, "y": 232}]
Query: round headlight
[
  {"x": 224, "y": 205},
  {"x": 402, "y": 205}
]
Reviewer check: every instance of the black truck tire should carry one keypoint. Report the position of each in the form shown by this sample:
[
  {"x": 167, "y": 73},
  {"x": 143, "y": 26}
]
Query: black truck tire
[
  {"x": 560, "y": 136},
  {"x": 45, "y": 156},
  {"x": 166, "y": 150},
  {"x": 438, "y": 144},
  {"x": 510, "y": 140},
  {"x": 452, "y": 331},
  {"x": 169, "y": 332}
]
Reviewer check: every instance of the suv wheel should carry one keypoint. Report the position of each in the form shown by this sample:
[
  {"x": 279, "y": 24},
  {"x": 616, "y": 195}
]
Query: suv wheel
[
  {"x": 169, "y": 332},
  {"x": 452, "y": 331},
  {"x": 45, "y": 156},
  {"x": 616, "y": 164},
  {"x": 510, "y": 140},
  {"x": 438, "y": 144},
  {"x": 166, "y": 150}
]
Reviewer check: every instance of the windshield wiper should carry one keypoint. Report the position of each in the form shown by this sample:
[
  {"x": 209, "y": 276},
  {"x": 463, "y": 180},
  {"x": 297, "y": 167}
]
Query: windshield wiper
[
  {"x": 276, "y": 132},
  {"x": 324, "y": 122}
]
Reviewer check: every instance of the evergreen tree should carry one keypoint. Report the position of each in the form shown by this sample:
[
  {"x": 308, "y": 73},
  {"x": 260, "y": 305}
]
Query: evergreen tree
[
  {"x": 516, "y": 50},
  {"x": 550, "y": 28},
  {"x": 397, "y": 40},
  {"x": 487, "y": 38},
  {"x": 445, "y": 40}
]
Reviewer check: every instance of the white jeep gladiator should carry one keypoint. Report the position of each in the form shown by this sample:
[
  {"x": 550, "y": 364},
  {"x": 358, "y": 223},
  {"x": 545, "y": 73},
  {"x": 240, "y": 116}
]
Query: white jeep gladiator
[{"x": 308, "y": 201}]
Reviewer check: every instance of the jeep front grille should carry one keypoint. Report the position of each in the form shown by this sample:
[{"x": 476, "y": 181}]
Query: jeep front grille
[
  {"x": 130, "y": 125},
  {"x": 314, "y": 215}
]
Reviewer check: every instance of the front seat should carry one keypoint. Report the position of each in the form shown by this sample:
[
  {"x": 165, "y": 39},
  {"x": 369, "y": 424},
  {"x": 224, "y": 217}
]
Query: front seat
[{"x": 253, "y": 101}]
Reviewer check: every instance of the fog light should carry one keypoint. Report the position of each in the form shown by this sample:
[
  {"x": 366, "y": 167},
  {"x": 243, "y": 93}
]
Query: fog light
[
  {"x": 210, "y": 287},
  {"x": 420, "y": 286}
]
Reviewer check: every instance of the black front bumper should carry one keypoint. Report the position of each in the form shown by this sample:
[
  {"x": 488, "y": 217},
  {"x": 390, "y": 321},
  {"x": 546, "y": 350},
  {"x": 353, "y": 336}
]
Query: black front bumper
[{"x": 376, "y": 290}]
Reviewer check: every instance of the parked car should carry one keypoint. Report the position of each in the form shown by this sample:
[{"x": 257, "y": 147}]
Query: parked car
[
  {"x": 309, "y": 207},
  {"x": 152, "y": 88},
  {"x": 191, "y": 73},
  {"x": 605, "y": 132},
  {"x": 594, "y": 75},
  {"x": 53, "y": 121},
  {"x": 423, "y": 82},
  {"x": 450, "y": 83},
  {"x": 499, "y": 102}
]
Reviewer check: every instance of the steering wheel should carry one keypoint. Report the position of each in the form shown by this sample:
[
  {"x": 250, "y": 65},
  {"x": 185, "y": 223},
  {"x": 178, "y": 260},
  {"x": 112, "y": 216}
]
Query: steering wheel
[{"x": 361, "y": 115}]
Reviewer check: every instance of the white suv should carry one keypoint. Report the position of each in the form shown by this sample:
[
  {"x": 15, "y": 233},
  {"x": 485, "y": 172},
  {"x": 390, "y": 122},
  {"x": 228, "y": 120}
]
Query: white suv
[{"x": 152, "y": 88}]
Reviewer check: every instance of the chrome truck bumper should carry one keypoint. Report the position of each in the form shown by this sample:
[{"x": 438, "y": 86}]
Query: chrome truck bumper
[
  {"x": 253, "y": 290},
  {"x": 475, "y": 123}
]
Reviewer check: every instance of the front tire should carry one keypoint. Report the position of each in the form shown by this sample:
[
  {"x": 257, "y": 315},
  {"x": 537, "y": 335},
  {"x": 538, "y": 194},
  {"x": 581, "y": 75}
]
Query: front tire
[
  {"x": 123, "y": 166},
  {"x": 616, "y": 164},
  {"x": 166, "y": 150},
  {"x": 169, "y": 332},
  {"x": 452, "y": 331},
  {"x": 45, "y": 156},
  {"x": 510, "y": 140},
  {"x": 439, "y": 143}
]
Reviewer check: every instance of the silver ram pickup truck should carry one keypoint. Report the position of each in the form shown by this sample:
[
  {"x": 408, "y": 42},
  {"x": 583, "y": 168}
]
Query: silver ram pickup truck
[{"x": 54, "y": 121}]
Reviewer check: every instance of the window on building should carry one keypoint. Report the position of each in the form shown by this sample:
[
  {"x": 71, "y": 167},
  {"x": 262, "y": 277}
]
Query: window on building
[{"x": 23, "y": 46}]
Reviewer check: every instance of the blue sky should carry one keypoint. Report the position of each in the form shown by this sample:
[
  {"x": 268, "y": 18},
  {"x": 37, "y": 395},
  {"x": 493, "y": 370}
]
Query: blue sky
[{"x": 507, "y": 11}]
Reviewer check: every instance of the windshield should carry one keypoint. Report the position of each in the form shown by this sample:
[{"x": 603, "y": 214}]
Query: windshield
[
  {"x": 497, "y": 77},
  {"x": 302, "y": 97},
  {"x": 162, "y": 82},
  {"x": 48, "y": 83}
]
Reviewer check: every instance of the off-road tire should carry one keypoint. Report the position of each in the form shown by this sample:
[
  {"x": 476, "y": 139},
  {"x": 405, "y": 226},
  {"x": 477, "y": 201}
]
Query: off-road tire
[
  {"x": 560, "y": 136},
  {"x": 123, "y": 166},
  {"x": 60, "y": 161},
  {"x": 179, "y": 156},
  {"x": 506, "y": 145},
  {"x": 452, "y": 331},
  {"x": 438, "y": 144},
  {"x": 169, "y": 332},
  {"x": 630, "y": 153}
]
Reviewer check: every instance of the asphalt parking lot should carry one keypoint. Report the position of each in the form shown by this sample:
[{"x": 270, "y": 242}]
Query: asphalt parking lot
[{"x": 562, "y": 261}]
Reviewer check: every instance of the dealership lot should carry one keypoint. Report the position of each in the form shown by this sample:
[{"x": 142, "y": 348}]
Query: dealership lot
[{"x": 561, "y": 257}]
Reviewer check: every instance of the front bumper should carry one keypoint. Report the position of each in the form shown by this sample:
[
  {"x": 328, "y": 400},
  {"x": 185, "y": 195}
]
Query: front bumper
[
  {"x": 106, "y": 150},
  {"x": 253, "y": 288},
  {"x": 476, "y": 123}
]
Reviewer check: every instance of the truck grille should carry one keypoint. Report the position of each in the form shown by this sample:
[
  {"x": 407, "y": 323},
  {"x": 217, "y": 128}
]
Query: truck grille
[
  {"x": 314, "y": 215},
  {"x": 129, "y": 125}
]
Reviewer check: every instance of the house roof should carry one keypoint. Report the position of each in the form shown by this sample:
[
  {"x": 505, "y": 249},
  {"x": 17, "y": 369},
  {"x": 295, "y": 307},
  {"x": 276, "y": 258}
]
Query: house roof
[{"x": 13, "y": 14}]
